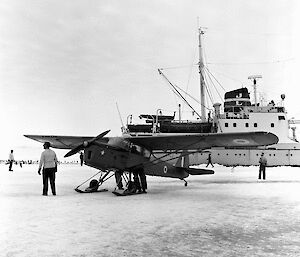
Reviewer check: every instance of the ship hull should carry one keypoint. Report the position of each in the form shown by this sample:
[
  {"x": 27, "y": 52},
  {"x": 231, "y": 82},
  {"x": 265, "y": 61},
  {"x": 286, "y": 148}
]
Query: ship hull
[{"x": 248, "y": 157}]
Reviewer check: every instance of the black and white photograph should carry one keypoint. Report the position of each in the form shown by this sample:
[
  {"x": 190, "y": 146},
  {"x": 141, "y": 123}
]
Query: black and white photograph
[{"x": 149, "y": 128}]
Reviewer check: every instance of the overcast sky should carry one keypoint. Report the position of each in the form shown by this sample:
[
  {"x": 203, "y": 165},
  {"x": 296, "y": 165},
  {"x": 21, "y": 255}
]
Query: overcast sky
[{"x": 65, "y": 64}]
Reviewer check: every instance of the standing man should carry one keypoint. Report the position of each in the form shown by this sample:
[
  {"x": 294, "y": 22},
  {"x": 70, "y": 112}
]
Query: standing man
[
  {"x": 209, "y": 160},
  {"x": 48, "y": 162},
  {"x": 262, "y": 166},
  {"x": 118, "y": 177},
  {"x": 11, "y": 160},
  {"x": 81, "y": 158}
]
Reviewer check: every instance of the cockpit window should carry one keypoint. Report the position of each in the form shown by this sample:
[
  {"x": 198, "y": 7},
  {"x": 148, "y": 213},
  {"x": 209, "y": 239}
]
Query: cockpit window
[{"x": 140, "y": 150}]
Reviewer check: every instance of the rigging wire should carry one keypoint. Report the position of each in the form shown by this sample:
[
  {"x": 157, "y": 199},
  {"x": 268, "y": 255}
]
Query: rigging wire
[
  {"x": 229, "y": 77},
  {"x": 215, "y": 78},
  {"x": 209, "y": 76},
  {"x": 251, "y": 63},
  {"x": 180, "y": 95},
  {"x": 207, "y": 89},
  {"x": 178, "y": 67},
  {"x": 190, "y": 75},
  {"x": 192, "y": 97}
]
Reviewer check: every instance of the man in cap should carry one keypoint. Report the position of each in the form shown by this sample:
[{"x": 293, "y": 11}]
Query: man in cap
[
  {"x": 262, "y": 166},
  {"x": 48, "y": 162}
]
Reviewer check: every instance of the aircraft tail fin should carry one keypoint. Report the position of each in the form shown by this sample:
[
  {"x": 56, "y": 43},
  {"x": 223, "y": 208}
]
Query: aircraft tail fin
[{"x": 183, "y": 160}]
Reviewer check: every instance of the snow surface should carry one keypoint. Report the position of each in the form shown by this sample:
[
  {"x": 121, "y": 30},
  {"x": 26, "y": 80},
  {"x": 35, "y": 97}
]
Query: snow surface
[{"x": 230, "y": 213}]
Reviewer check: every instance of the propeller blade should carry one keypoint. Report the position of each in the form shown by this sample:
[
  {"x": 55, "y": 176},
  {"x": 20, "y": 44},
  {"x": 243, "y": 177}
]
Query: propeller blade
[
  {"x": 75, "y": 150},
  {"x": 99, "y": 136},
  {"x": 86, "y": 144}
]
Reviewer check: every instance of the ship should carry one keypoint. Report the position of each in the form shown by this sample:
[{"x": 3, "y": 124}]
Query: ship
[{"x": 239, "y": 114}]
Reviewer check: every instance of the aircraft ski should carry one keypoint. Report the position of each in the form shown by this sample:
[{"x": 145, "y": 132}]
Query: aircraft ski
[
  {"x": 127, "y": 193},
  {"x": 90, "y": 191}
]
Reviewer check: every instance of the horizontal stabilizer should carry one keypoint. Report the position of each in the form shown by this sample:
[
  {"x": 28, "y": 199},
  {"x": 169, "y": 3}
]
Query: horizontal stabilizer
[{"x": 194, "y": 171}]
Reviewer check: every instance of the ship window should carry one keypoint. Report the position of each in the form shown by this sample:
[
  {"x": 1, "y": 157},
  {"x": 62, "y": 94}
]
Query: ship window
[
  {"x": 247, "y": 125},
  {"x": 234, "y": 124},
  {"x": 272, "y": 125},
  {"x": 226, "y": 125},
  {"x": 291, "y": 154},
  {"x": 255, "y": 125},
  {"x": 227, "y": 154},
  {"x": 281, "y": 118}
]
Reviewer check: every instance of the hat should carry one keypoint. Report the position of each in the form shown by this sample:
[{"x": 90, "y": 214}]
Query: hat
[{"x": 47, "y": 144}]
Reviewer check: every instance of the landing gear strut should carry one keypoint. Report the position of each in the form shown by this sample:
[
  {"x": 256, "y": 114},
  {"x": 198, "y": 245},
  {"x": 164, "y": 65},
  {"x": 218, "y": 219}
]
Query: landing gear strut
[
  {"x": 94, "y": 183},
  {"x": 185, "y": 182}
]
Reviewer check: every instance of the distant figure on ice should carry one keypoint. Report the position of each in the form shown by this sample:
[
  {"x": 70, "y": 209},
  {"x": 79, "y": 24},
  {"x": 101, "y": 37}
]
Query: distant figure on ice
[
  {"x": 262, "y": 166},
  {"x": 81, "y": 158},
  {"x": 11, "y": 160},
  {"x": 209, "y": 161},
  {"x": 48, "y": 162}
]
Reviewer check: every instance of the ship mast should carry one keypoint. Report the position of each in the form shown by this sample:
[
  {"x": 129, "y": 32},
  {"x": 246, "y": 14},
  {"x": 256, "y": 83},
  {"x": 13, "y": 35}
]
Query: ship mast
[{"x": 202, "y": 82}]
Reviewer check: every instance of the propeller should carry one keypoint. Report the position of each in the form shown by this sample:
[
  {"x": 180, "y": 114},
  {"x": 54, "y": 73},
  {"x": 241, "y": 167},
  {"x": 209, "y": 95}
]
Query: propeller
[{"x": 85, "y": 144}]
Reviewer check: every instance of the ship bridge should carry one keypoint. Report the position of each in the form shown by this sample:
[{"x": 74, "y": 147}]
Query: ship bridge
[{"x": 240, "y": 115}]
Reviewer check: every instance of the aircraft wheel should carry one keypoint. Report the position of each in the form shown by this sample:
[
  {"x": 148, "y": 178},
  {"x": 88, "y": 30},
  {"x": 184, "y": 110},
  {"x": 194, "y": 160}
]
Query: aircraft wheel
[
  {"x": 93, "y": 183},
  {"x": 185, "y": 184}
]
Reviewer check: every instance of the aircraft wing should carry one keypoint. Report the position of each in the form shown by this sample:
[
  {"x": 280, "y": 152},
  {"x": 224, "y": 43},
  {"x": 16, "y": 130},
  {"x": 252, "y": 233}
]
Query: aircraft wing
[
  {"x": 204, "y": 141},
  {"x": 60, "y": 142}
]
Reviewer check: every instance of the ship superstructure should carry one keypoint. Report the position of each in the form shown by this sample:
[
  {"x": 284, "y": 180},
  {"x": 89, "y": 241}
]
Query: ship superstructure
[{"x": 238, "y": 114}]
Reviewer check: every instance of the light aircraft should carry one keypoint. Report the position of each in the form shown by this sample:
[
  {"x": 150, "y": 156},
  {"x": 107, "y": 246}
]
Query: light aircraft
[{"x": 158, "y": 155}]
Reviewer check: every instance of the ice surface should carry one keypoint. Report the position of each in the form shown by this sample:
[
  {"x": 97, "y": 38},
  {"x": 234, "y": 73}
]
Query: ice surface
[{"x": 230, "y": 213}]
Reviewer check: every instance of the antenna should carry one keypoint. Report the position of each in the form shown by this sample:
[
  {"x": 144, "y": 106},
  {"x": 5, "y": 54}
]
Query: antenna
[
  {"x": 122, "y": 128},
  {"x": 254, "y": 78}
]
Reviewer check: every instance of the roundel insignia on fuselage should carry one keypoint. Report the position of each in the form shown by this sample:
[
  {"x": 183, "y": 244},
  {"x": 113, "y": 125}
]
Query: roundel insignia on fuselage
[
  {"x": 241, "y": 141},
  {"x": 165, "y": 169}
]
